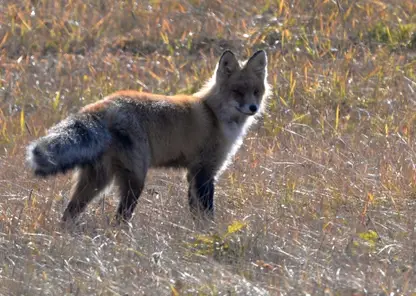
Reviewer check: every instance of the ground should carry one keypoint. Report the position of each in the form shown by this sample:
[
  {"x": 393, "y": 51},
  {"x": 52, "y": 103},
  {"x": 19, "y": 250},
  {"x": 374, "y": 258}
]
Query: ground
[{"x": 320, "y": 199}]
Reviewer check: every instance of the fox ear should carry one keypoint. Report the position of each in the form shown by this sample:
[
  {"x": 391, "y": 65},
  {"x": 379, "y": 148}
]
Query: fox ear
[
  {"x": 227, "y": 65},
  {"x": 258, "y": 63}
]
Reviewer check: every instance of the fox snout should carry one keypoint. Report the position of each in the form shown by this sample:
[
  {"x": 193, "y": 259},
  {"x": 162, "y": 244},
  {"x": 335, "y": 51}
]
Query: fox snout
[
  {"x": 253, "y": 108},
  {"x": 248, "y": 109}
]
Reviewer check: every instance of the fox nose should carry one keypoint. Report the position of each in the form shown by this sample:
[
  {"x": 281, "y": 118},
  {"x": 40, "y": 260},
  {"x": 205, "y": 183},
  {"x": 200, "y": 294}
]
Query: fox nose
[{"x": 253, "y": 108}]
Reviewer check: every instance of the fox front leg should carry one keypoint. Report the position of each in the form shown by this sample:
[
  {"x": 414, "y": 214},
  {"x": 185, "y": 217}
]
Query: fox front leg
[{"x": 201, "y": 192}]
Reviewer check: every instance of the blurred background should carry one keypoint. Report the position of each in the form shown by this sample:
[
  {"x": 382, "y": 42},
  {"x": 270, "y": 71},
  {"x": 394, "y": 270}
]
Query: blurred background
[{"x": 320, "y": 199}]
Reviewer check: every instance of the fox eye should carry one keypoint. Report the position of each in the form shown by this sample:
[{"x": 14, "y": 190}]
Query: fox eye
[
  {"x": 256, "y": 92},
  {"x": 237, "y": 93}
]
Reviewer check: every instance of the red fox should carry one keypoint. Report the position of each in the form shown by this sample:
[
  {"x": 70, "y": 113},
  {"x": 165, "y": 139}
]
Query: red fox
[{"x": 123, "y": 135}]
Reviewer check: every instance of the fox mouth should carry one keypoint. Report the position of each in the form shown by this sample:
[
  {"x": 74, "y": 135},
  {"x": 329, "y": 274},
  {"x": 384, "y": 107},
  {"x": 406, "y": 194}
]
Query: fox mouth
[{"x": 245, "y": 113}]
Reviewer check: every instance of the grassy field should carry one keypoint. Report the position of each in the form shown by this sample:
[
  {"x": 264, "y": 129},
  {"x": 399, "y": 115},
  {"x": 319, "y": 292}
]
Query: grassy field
[{"x": 320, "y": 199}]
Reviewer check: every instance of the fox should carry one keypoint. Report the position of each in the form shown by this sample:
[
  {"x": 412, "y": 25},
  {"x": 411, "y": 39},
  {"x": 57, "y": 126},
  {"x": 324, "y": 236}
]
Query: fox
[{"x": 119, "y": 138}]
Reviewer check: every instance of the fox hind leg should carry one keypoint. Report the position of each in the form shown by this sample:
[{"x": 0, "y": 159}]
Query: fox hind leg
[
  {"x": 90, "y": 180},
  {"x": 201, "y": 192},
  {"x": 130, "y": 178},
  {"x": 130, "y": 187}
]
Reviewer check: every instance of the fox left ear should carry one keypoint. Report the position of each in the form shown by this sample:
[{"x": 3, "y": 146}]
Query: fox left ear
[{"x": 258, "y": 63}]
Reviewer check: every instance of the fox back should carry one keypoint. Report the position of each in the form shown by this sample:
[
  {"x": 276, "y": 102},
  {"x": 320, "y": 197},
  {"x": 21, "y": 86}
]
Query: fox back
[{"x": 120, "y": 137}]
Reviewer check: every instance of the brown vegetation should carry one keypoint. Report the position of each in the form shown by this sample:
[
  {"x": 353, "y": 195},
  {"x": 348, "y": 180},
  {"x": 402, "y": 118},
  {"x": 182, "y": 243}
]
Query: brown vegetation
[{"x": 321, "y": 198}]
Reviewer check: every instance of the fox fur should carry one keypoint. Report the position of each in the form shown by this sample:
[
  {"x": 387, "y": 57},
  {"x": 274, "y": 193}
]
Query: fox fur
[{"x": 123, "y": 135}]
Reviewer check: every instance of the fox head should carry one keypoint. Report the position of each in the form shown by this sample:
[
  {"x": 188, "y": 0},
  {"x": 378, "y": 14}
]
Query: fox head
[{"x": 242, "y": 85}]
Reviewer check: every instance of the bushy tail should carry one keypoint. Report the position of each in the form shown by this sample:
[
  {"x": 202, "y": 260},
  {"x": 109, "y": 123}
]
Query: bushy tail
[{"x": 79, "y": 139}]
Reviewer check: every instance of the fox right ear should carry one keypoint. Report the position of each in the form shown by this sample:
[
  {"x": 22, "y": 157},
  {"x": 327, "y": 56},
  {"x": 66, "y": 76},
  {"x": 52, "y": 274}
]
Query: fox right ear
[
  {"x": 258, "y": 63},
  {"x": 227, "y": 65}
]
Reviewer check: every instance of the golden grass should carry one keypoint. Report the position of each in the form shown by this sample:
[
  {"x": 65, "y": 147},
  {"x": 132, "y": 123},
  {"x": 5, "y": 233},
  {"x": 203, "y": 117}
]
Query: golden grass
[{"x": 320, "y": 200}]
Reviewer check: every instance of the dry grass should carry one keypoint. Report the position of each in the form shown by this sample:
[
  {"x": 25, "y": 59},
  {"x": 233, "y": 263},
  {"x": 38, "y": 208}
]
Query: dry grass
[{"x": 321, "y": 199}]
